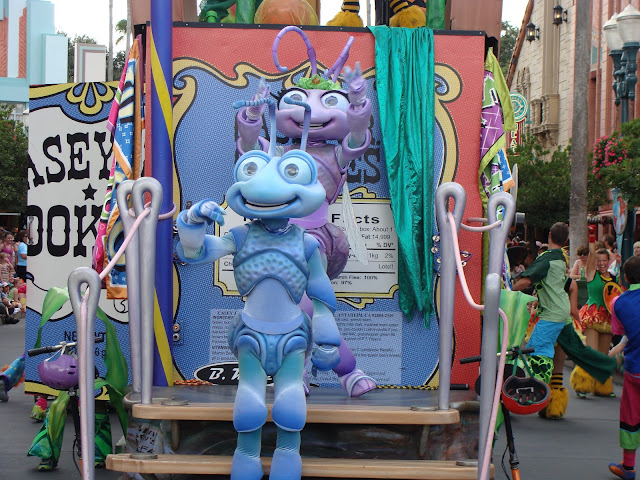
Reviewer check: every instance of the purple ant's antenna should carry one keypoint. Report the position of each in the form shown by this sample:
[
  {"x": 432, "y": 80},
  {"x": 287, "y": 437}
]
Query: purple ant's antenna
[
  {"x": 307, "y": 120},
  {"x": 310, "y": 51},
  {"x": 342, "y": 59},
  {"x": 272, "y": 117}
]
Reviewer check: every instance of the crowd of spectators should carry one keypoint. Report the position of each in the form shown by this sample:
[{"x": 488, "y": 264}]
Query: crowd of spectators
[{"x": 13, "y": 275}]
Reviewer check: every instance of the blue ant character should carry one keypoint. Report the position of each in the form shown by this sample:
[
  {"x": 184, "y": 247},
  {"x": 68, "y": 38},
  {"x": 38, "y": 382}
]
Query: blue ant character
[
  {"x": 275, "y": 263},
  {"x": 339, "y": 134}
]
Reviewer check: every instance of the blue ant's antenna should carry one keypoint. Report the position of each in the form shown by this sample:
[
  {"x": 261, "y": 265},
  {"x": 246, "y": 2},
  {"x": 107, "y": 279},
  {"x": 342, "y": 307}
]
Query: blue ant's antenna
[
  {"x": 307, "y": 120},
  {"x": 272, "y": 116}
]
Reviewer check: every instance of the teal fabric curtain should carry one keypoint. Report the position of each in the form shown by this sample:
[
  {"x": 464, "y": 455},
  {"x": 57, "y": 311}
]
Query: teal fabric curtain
[{"x": 406, "y": 97}]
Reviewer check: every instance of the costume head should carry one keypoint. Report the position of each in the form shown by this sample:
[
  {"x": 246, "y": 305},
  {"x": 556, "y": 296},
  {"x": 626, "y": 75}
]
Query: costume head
[
  {"x": 272, "y": 187},
  {"x": 327, "y": 99}
]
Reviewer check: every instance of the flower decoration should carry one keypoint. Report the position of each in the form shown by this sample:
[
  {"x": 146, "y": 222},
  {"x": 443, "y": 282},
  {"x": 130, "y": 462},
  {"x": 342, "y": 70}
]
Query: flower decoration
[{"x": 608, "y": 151}]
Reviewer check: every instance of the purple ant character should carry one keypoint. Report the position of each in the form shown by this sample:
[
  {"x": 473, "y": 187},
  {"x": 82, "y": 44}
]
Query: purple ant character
[{"x": 335, "y": 115}]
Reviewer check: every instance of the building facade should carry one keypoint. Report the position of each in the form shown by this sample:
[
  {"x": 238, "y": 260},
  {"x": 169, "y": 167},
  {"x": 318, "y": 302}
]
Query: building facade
[
  {"x": 542, "y": 71},
  {"x": 30, "y": 51}
]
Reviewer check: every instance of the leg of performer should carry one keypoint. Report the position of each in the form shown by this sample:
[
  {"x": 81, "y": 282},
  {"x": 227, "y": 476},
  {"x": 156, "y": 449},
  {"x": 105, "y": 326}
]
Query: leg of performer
[
  {"x": 604, "y": 389},
  {"x": 10, "y": 377},
  {"x": 580, "y": 380},
  {"x": 629, "y": 436},
  {"x": 592, "y": 362},
  {"x": 39, "y": 410},
  {"x": 249, "y": 415},
  {"x": 48, "y": 441},
  {"x": 559, "y": 397},
  {"x": 289, "y": 414}
]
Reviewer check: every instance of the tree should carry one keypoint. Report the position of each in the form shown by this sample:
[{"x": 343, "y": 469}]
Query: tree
[
  {"x": 544, "y": 186},
  {"x": 580, "y": 127},
  {"x": 508, "y": 38},
  {"x": 118, "y": 64},
  {"x": 121, "y": 28},
  {"x": 15, "y": 160}
]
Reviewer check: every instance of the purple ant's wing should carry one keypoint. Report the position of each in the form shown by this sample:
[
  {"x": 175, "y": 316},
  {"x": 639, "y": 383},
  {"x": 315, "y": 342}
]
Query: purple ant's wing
[{"x": 356, "y": 243}]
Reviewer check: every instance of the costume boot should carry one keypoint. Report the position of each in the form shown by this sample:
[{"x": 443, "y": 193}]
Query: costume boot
[
  {"x": 582, "y": 382},
  {"x": 604, "y": 389},
  {"x": 558, "y": 399}
]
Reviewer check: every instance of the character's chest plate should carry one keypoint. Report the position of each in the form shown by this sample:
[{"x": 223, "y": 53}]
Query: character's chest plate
[{"x": 266, "y": 254}]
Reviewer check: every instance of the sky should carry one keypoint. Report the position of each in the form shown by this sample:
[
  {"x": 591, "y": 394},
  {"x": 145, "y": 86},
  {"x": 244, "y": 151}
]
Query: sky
[{"x": 91, "y": 17}]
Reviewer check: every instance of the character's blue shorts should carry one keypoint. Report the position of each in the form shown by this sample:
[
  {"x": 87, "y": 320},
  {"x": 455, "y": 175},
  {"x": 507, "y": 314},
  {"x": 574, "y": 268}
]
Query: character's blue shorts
[
  {"x": 270, "y": 348},
  {"x": 544, "y": 336}
]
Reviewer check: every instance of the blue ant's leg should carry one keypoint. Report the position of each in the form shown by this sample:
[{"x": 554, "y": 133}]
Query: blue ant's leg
[
  {"x": 289, "y": 414},
  {"x": 249, "y": 414}
]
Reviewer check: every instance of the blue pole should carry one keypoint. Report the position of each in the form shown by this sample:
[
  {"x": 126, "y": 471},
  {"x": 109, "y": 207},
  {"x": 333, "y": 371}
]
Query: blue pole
[{"x": 162, "y": 169}]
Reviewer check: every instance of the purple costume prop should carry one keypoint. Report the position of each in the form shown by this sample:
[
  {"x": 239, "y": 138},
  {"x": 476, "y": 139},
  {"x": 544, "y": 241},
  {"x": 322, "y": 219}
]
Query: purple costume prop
[{"x": 335, "y": 115}]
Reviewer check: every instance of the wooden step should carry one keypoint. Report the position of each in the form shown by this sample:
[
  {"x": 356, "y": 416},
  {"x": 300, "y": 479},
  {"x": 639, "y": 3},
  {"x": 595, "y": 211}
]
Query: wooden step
[
  {"x": 350, "y": 414},
  {"x": 311, "y": 467},
  {"x": 324, "y": 405}
]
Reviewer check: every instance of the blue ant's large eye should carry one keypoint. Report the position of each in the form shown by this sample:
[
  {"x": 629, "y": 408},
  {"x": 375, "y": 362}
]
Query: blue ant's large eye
[
  {"x": 249, "y": 165},
  {"x": 295, "y": 168},
  {"x": 335, "y": 99},
  {"x": 294, "y": 94}
]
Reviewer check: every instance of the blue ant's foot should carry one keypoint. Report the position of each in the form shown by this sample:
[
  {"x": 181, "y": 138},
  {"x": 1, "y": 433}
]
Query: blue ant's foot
[
  {"x": 357, "y": 383},
  {"x": 246, "y": 467},
  {"x": 286, "y": 465}
]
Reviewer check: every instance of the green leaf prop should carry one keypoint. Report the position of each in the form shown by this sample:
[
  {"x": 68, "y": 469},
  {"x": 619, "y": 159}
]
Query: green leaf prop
[
  {"x": 117, "y": 368},
  {"x": 53, "y": 301},
  {"x": 117, "y": 375},
  {"x": 116, "y": 398}
]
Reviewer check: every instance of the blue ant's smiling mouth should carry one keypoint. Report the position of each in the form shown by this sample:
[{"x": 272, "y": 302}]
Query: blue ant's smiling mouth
[{"x": 263, "y": 207}]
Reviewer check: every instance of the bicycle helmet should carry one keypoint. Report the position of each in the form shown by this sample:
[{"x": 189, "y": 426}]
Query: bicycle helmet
[
  {"x": 60, "y": 373},
  {"x": 524, "y": 395}
]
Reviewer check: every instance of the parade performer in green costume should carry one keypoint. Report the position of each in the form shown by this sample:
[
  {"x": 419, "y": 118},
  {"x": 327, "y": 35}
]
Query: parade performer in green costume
[
  {"x": 595, "y": 320},
  {"x": 548, "y": 273}
]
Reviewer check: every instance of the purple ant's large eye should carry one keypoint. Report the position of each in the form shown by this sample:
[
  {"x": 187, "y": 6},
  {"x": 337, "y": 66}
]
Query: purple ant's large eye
[{"x": 335, "y": 100}]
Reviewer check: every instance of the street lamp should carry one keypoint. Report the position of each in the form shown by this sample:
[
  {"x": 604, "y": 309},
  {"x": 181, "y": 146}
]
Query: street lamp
[{"x": 622, "y": 33}]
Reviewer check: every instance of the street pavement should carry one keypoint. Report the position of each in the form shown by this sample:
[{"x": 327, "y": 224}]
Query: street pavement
[{"x": 578, "y": 447}]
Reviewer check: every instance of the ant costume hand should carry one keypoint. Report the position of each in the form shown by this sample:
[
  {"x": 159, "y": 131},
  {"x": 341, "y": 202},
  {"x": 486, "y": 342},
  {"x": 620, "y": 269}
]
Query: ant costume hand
[{"x": 205, "y": 211}]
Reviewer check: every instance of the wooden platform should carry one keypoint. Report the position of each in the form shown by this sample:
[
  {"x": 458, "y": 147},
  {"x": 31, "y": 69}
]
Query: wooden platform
[
  {"x": 311, "y": 467},
  {"x": 386, "y": 434},
  {"x": 324, "y": 405}
]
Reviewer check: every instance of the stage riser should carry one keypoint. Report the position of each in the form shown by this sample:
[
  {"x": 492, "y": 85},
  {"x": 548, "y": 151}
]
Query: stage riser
[
  {"x": 430, "y": 442},
  {"x": 191, "y": 430},
  {"x": 216, "y": 467}
]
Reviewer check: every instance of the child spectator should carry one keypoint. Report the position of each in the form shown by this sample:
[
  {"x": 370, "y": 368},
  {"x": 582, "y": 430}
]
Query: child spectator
[
  {"x": 548, "y": 273},
  {"x": 7, "y": 272},
  {"x": 18, "y": 293},
  {"x": 625, "y": 320}
]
